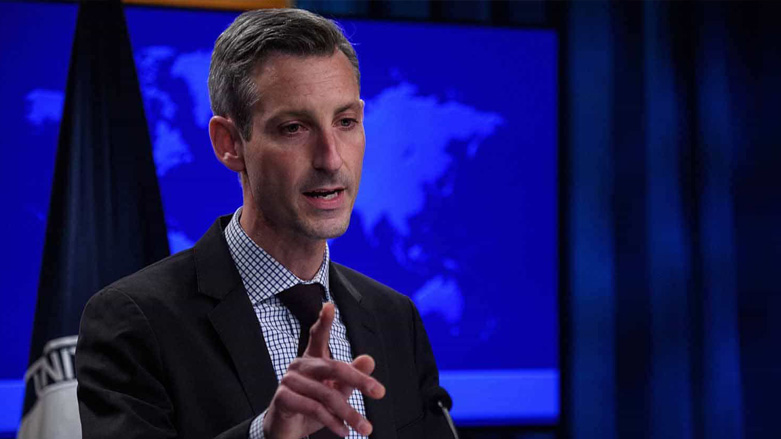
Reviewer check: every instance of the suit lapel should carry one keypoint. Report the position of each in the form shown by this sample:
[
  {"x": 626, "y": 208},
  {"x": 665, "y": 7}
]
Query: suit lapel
[
  {"x": 240, "y": 332},
  {"x": 364, "y": 337},
  {"x": 233, "y": 318}
]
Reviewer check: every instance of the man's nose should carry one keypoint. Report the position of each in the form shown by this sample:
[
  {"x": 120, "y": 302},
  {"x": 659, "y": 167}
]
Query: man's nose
[{"x": 327, "y": 154}]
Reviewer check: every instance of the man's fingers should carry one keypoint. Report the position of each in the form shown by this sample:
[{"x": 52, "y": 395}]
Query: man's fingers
[
  {"x": 294, "y": 403},
  {"x": 364, "y": 364},
  {"x": 341, "y": 374},
  {"x": 320, "y": 333},
  {"x": 331, "y": 399}
]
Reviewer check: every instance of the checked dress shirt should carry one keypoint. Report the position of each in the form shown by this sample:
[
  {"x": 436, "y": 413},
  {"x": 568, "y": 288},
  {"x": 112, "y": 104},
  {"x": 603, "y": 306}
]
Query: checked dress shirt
[{"x": 263, "y": 278}]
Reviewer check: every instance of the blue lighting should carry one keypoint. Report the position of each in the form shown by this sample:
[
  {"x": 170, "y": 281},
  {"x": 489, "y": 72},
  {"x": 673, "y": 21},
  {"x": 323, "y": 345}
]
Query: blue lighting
[{"x": 457, "y": 207}]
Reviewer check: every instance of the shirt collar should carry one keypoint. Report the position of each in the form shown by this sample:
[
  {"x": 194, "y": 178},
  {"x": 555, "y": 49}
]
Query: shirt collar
[{"x": 262, "y": 275}]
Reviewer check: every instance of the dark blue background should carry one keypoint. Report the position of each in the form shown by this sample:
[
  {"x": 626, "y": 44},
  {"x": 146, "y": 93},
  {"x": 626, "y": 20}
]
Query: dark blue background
[
  {"x": 504, "y": 236},
  {"x": 35, "y": 47}
]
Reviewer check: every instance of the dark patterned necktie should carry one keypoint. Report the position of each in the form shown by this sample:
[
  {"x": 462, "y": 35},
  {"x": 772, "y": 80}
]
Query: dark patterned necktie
[{"x": 305, "y": 302}]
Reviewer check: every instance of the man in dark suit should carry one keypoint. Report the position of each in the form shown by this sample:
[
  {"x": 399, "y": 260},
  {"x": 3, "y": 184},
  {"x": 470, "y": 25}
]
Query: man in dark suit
[{"x": 218, "y": 340}]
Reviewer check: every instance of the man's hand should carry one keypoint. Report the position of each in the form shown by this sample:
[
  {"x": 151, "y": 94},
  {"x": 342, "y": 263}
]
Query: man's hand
[{"x": 314, "y": 391}]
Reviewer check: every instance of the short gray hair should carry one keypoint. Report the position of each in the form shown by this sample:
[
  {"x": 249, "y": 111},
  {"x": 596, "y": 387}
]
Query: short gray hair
[{"x": 250, "y": 40}]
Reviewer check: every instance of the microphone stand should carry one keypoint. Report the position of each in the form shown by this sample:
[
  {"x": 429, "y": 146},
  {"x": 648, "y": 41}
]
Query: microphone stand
[{"x": 449, "y": 419}]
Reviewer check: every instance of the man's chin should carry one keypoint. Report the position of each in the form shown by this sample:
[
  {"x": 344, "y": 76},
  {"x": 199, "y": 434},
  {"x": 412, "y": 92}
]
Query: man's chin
[{"x": 327, "y": 230}]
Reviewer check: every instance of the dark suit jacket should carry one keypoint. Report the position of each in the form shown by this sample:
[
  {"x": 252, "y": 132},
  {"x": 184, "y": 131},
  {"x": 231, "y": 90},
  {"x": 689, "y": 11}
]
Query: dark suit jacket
[{"x": 175, "y": 350}]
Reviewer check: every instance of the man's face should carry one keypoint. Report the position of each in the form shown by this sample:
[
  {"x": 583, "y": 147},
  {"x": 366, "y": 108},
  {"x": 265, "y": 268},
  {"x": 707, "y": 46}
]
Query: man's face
[{"x": 304, "y": 159}]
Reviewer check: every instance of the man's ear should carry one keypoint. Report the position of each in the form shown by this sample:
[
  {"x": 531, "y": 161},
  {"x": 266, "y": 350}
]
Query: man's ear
[{"x": 227, "y": 143}]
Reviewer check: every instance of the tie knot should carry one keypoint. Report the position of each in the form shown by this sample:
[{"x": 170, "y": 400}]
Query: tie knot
[{"x": 305, "y": 302}]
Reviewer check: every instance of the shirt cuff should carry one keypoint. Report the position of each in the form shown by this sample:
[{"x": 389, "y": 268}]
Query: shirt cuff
[{"x": 256, "y": 428}]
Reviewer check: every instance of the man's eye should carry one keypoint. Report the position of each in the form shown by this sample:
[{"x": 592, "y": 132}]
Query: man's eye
[
  {"x": 347, "y": 123},
  {"x": 292, "y": 128}
]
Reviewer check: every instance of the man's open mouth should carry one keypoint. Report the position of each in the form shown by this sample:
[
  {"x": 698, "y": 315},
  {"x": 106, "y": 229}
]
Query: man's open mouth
[{"x": 324, "y": 194}]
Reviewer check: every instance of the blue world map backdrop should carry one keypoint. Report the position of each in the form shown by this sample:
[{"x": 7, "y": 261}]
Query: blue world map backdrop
[{"x": 457, "y": 206}]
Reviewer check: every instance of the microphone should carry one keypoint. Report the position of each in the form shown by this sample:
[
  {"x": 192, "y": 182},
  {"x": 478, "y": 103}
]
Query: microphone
[{"x": 438, "y": 401}]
